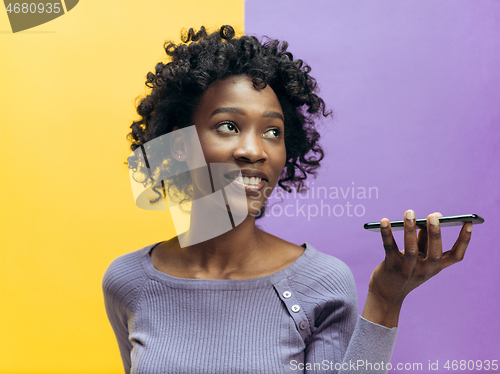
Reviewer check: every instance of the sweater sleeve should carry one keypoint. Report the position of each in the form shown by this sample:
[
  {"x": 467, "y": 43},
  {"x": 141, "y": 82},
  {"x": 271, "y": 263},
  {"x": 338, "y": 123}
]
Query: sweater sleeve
[
  {"x": 341, "y": 341},
  {"x": 121, "y": 284},
  {"x": 370, "y": 348}
]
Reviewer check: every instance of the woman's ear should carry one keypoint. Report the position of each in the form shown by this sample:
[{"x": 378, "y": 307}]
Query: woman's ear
[{"x": 178, "y": 144}]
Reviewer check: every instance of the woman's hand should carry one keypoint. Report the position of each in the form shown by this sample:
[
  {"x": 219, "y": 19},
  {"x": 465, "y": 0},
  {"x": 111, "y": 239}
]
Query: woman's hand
[{"x": 401, "y": 272}]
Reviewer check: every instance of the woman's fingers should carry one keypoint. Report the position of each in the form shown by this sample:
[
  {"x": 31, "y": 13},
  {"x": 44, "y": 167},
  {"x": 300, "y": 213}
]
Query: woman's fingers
[
  {"x": 421, "y": 259},
  {"x": 435, "y": 248},
  {"x": 390, "y": 246},
  {"x": 422, "y": 239},
  {"x": 457, "y": 252},
  {"x": 410, "y": 240}
]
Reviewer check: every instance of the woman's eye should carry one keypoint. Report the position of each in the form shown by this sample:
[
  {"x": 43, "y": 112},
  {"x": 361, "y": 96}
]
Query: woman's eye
[
  {"x": 227, "y": 127},
  {"x": 272, "y": 133}
]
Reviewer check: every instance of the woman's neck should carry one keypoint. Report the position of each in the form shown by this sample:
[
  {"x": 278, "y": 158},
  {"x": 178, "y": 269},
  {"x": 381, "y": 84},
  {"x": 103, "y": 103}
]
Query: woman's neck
[{"x": 239, "y": 250}]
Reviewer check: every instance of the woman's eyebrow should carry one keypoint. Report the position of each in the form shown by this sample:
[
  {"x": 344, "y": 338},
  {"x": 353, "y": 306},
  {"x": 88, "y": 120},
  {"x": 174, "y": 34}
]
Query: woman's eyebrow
[
  {"x": 268, "y": 113},
  {"x": 273, "y": 115},
  {"x": 228, "y": 110}
]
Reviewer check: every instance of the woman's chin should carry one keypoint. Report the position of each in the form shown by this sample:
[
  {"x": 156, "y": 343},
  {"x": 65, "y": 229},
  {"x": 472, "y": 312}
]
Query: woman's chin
[
  {"x": 254, "y": 208},
  {"x": 241, "y": 211}
]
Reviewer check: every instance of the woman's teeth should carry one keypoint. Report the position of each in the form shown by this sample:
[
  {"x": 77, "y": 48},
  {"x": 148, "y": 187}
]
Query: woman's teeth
[{"x": 246, "y": 180}]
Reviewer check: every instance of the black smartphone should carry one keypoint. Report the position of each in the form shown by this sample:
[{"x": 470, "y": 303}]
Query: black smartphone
[{"x": 422, "y": 222}]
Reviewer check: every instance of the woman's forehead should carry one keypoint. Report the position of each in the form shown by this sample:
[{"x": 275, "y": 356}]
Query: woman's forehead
[{"x": 238, "y": 94}]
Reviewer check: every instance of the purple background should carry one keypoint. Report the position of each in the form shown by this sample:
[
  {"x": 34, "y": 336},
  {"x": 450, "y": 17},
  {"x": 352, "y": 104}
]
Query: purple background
[{"x": 415, "y": 87}]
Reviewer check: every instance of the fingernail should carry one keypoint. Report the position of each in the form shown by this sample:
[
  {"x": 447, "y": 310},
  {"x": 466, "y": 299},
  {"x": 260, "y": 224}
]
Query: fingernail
[
  {"x": 434, "y": 220},
  {"x": 383, "y": 224},
  {"x": 410, "y": 215},
  {"x": 468, "y": 228}
]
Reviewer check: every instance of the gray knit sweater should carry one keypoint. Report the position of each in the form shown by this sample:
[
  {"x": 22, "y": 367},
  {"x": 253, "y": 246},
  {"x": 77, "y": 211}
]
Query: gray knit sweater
[{"x": 302, "y": 319}]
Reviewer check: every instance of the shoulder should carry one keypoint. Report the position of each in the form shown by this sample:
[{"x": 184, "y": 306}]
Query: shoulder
[
  {"x": 125, "y": 275},
  {"x": 323, "y": 268},
  {"x": 323, "y": 276},
  {"x": 325, "y": 286}
]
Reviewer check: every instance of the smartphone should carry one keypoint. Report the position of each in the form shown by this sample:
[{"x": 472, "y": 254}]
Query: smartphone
[{"x": 422, "y": 222}]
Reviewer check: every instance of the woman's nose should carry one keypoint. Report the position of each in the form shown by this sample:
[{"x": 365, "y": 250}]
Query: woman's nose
[{"x": 250, "y": 148}]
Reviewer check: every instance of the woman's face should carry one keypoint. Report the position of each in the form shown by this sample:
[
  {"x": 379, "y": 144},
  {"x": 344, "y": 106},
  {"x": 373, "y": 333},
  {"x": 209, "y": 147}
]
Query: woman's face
[{"x": 243, "y": 127}]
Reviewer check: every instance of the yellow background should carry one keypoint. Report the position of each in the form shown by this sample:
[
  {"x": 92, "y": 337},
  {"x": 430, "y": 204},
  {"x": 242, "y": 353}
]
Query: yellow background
[{"x": 67, "y": 94}]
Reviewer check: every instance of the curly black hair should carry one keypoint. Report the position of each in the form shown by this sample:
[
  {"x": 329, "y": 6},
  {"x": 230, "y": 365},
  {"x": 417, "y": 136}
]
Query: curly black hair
[{"x": 201, "y": 59}]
